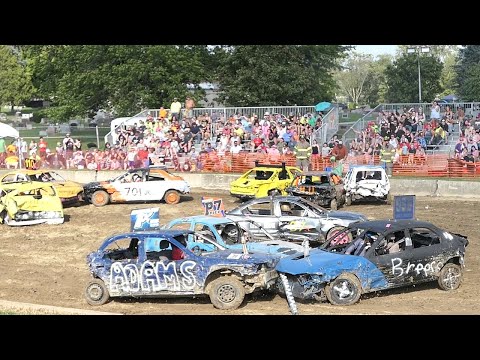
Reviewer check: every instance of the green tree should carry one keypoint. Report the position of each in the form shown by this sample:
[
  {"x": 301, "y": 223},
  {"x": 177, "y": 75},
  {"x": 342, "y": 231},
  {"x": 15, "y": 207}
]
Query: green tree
[
  {"x": 81, "y": 79},
  {"x": 448, "y": 79},
  {"x": 375, "y": 87},
  {"x": 402, "y": 78},
  {"x": 15, "y": 81},
  {"x": 467, "y": 72},
  {"x": 257, "y": 75},
  {"x": 351, "y": 78}
]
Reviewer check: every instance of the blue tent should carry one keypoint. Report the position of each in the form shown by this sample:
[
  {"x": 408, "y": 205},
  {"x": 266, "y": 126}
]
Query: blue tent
[{"x": 321, "y": 106}]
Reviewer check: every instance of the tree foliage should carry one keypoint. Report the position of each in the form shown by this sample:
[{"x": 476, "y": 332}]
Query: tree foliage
[
  {"x": 375, "y": 87},
  {"x": 81, "y": 79},
  {"x": 351, "y": 78},
  {"x": 15, "y": 82},
  {"x": 448, "y": 79},
  {"x": 467, "y": 72},
  {"x": 402, "y": 78},
  {"x": 257, "y": 75}
]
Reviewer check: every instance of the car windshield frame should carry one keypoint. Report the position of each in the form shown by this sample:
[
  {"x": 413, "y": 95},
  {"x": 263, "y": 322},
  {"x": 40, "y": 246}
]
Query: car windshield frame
[{"x": 316, "y": 208}]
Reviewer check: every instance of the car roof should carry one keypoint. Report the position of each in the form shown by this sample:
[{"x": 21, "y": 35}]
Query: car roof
[
  {"x": 315, "y": 173},
  {"x": 366, "y": 167},
  {"x": 205, "y": 219},
  {"x": 381, "y": 226},
  {"x": 27, "y": 172},
  {"x": 277, "y": 197},
  {"x": 165, "y": 232}
]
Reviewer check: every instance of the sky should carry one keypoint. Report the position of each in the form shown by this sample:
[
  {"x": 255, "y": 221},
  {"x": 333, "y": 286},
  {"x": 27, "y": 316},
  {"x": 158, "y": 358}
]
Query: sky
[{"x": 376, "y": 49}]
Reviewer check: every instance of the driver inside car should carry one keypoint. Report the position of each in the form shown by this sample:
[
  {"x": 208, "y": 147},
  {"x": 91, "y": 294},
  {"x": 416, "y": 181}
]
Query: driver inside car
[{"x": 361, "y": 245}]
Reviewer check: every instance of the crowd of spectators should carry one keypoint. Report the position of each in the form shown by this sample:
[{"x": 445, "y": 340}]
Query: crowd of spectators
[
  {"x": 179, "y": 139},
  {"x": 411, "y": 133}
]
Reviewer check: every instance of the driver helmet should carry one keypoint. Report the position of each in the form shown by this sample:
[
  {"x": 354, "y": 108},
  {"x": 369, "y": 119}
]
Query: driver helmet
[
  {"x": 230, "y": 233},
  {"x": 285, "y": 207}
]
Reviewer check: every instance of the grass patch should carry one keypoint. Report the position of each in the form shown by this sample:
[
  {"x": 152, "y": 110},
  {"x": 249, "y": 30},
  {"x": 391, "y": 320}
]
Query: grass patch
[{"x": 86, "y": 135}]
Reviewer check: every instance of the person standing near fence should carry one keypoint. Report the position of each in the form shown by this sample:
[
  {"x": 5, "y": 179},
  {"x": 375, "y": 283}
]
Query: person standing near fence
[
  {"x": 303, "y": 152},
  {"x": 175, "y": 108},
  {"x": 435, "y": 114},
  {"x": 189, "y": 105},
  {"x": 386, "y": 158}
]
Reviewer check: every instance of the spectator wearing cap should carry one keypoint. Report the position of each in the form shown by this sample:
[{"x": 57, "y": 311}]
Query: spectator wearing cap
[
  {"x": 339, "y": 151},
  {"x": 68, "y": 145}
]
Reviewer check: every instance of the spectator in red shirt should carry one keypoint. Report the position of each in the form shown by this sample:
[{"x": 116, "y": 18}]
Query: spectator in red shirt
[{"x": 339, "y": 151}]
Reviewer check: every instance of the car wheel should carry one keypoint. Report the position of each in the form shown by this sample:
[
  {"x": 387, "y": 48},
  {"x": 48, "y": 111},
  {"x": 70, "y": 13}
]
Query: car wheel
[
  {"x": 226, "y": 293},
  {"x": 172, "y": 197},
  {"x": 334, "y": 204},
  {"x": 100, "y": 198},
  {"x": 389, "y": 199},
  {"x": 344, "y": 290},
  {"x": 96, "y": 293},
  {"x": 348, "y": 200},
  {"x": 450, "y": 277}
]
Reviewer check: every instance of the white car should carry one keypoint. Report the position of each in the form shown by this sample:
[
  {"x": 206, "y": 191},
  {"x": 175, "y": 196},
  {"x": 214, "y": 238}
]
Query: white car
[
  {"x": 145, "y": 184},
  {"x": 368, "y": 182}
]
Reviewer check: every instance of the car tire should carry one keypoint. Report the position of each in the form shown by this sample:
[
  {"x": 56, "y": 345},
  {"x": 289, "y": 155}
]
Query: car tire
[
  {"x": 450, "y": 277},
  {"x": 344, "y": 290},
  {"x": 334, "y": 204},
  {"x": 348, "y": 200},
  {"x": 96, "y": 293},
  {"x": 226, "y": 293},
  {"x": 172, "y": 197},
  {"x": 100, "y": 198},
  {"x": 389, "y": 199}
]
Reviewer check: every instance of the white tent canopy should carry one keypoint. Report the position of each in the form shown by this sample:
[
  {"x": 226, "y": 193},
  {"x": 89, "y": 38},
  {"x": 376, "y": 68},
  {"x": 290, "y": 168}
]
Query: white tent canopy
[{"x": 8, "y": 131}]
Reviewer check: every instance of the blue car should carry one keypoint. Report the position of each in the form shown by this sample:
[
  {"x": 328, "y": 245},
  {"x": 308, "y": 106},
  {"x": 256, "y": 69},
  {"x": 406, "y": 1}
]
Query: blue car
[
  {"x": 228, "y": 234},
  {"x": 159, "y": 264},
  {"x": 375, "y": 255}
]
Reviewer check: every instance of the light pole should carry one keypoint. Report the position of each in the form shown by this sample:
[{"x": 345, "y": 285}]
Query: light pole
[{"x": 418, "y": 49}]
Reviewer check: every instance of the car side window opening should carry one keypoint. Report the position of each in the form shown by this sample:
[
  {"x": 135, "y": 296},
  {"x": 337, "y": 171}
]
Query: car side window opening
[
  {"x": 9, "y": 178},
  {"x": 421, "y": 237},
  {"x": 123, "y": 249},
  {"x": 282, "y": 175},
  {"x": 158, "y": 249},
  {"x": 258, "y": 209},
  {"x": 362, "y": 243},
  {"x": 298, "y": 210},
  {"x": 286, "y": 209},
  {"x": 177, "y": 252},
  {"x": 395, "y": 242},
  {"x": 155, "y": 177},
  {"x": 205, "y": 231}
]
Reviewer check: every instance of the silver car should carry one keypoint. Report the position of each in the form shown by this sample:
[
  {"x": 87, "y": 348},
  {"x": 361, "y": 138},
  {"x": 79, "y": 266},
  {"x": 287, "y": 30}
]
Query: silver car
[{"x": 291, "y": 218}]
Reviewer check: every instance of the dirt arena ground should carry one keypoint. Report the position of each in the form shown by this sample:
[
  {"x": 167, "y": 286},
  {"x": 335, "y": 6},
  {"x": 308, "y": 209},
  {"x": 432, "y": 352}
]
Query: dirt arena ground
[{"x": 45, "y": 264}]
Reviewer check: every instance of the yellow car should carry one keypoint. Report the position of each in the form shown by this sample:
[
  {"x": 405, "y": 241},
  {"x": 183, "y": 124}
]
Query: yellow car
[
  {"x": 70, "y": 192},
  {"x": 28, "y": 203},
  {"x": 263, "y": 180}
]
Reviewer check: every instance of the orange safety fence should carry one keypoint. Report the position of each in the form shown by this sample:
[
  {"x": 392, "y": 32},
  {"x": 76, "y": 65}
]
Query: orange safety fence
[{"x": 438, "y": 165}]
